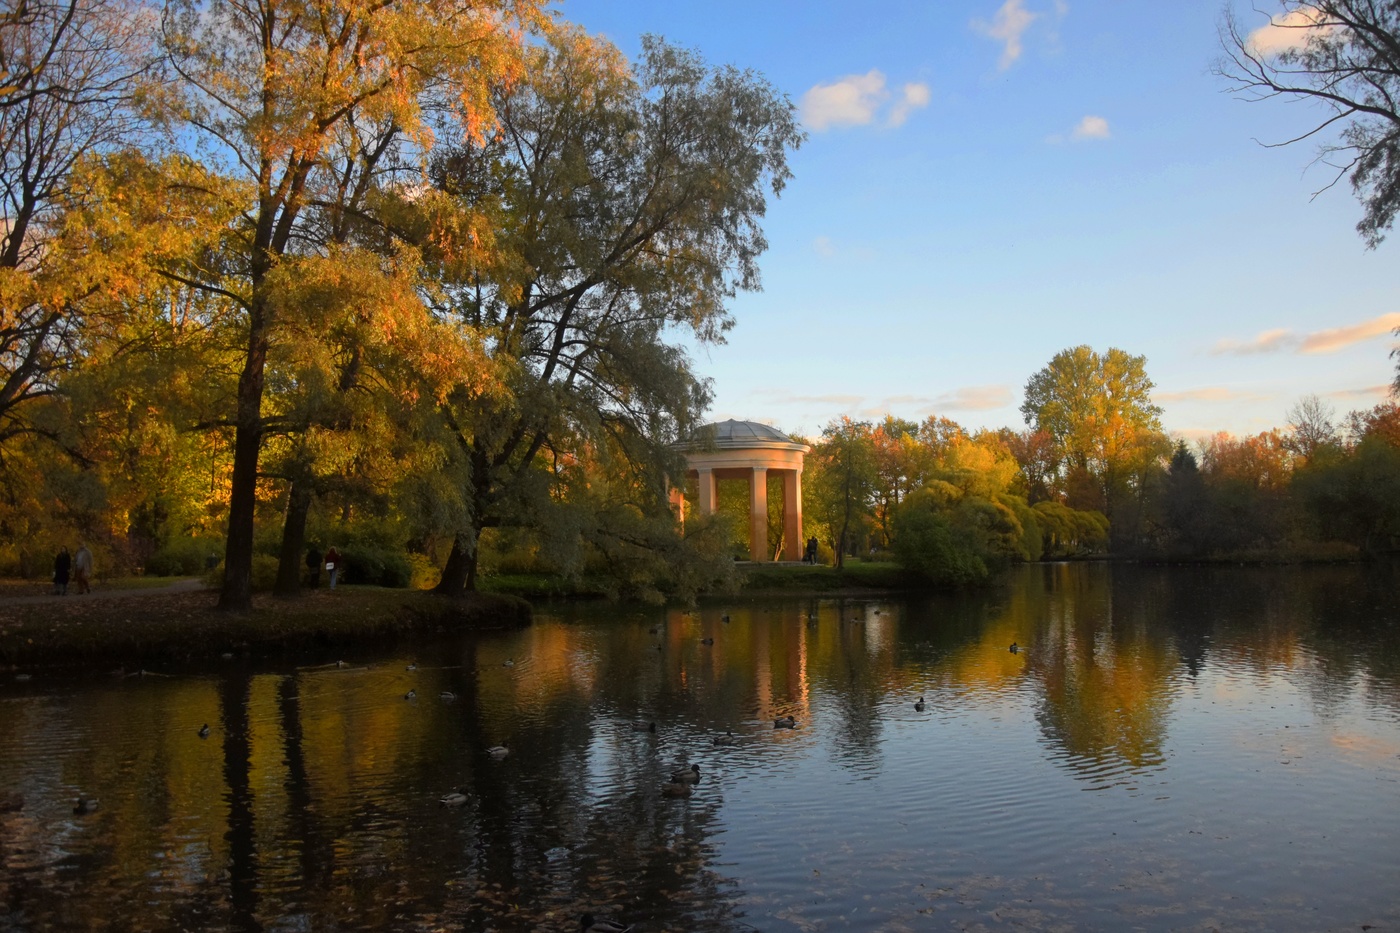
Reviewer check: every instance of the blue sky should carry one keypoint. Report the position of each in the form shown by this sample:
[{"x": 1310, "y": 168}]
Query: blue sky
[{"x": 989, "y": 182}]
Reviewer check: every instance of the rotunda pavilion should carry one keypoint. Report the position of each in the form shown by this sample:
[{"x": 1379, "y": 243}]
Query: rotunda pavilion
[{"x": 750, "y": 451}]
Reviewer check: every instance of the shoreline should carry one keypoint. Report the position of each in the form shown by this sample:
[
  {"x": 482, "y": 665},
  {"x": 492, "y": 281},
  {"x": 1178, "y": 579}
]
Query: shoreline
[{"x": 135, "y": 629}]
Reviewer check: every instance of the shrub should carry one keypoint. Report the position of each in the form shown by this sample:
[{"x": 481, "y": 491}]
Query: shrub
[
  {"x": 930, "y": 546},
  {"x": 183, "y": 557}
]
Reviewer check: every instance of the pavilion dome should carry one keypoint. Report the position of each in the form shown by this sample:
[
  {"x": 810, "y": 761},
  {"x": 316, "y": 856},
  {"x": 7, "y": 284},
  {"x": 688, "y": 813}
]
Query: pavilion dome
[{"x": 731, "y": 434}]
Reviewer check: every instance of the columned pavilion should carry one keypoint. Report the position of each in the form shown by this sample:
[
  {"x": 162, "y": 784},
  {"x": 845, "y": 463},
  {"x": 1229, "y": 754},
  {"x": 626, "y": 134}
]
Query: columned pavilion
[{"x": 748, "y": 450}]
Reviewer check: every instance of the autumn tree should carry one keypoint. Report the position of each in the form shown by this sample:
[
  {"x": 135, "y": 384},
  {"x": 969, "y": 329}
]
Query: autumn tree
[
  {"x": 1343, "y": 55},
  {"x": 898, "y": 469},
  {"x": 629, "y": 214},
  {"x": 70, "y": 82},
  {"x": 840, "y": 493},
  {"x": 270, "y": 91},
  {"x": 1099, "y": 411}
]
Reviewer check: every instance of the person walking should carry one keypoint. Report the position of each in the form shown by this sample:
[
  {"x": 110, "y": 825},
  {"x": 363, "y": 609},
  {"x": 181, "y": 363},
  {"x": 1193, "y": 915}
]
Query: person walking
[
  {"x": 62, "y": 564},
  {"x": 333, "y": 564},
  {"x": 313, "y": 566},
  {"x": 82, "y": 568}
]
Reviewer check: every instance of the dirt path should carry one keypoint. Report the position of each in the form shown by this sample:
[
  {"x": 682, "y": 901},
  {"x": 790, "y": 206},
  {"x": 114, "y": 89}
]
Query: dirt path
[{"x": 184, "y": 585}]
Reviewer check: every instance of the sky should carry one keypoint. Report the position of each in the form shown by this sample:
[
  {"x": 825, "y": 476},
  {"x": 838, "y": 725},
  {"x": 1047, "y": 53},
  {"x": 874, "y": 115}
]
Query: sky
[{"x": 988, "y": 182}]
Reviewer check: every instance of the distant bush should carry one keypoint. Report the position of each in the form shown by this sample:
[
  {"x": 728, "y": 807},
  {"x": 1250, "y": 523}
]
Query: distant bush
[
  {"x": 367, "y": 564},
  {"x": 183, "y": 557}
]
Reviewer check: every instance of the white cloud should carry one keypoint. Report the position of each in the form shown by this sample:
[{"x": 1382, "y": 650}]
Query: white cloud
[
  {"x": 1290, "y": 31},
  {"x": 1207, "y": 394},
  {"x": 824, "y": 246},
  {"x": 1320, "y": 341},
  {"x": 1367, "y": 392},
  {"x": 856, "y": 100},
  {"x": 974, "y": 398},
  {"x": 914, "y": 97},
  {"x": 1008, "y": 27},
  {"x": 852, "y": 101},
  {"x": 1091, "y": 127},
  {"x": 1269, "y": 341},
  {"x": 1330, "y": 341}
]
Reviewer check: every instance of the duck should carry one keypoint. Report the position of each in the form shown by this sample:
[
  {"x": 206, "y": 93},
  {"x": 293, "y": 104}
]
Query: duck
[
  {"x": 1014, "y": 648},
  {"x": 84, "y": 806},
  {"x": 454, "y": 799},
  {"x": 707, "y": 641},
  {"x": 919, "y": 706},
  {"x": 785, "y": 722},
  {"x": 411, "y": 695},
  {"x": 590, "y": 924},
  {"x": 341, "y": 664},
  {"x": 690, "y": 776},
  {"x": 411, "y": 667},
  {"x": 447, "y": 695},
  {"x": 675, "y": 789},
  {"x": 204, "y": 731},
  {"x": 508, "y": 662},
  {"x": 498, "y": 751},
  {"x": 726, "y": 739},
  {"x": 643, "y": 727},
  {"x": 724, "y": 619}
]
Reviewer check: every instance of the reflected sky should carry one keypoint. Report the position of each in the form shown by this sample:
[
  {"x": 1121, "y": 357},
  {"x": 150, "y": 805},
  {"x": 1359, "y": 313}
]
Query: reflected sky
[{"x": 1171, "y": 748}]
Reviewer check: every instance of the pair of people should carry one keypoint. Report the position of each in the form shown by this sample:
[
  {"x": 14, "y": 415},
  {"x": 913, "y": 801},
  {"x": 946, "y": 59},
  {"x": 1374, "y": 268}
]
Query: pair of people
[
  {"x": 78, "y": 565},
  {"x": 313, "y": 565}
]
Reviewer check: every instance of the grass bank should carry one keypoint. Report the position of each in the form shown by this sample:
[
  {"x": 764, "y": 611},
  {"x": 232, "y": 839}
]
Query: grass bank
[
  {"x": 857, "y": 575},
  {"x": 138, "y": 628}
]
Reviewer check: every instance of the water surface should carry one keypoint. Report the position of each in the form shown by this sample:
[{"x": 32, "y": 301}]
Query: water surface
[{"x": 1173, "y": 749}]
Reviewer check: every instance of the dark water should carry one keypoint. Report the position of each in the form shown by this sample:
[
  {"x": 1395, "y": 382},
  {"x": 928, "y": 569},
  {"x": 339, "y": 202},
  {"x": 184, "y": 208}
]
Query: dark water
[{"x": 1176, "y": 750}]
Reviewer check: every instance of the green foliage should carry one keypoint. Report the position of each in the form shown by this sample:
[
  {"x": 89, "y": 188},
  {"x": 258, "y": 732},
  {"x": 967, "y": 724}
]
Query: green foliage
[
  {"x": 937, "y": 544},
  {"x": 1068, "y": 532},
  {"x": 376, "y": 566},
  {"x": 184, "y": 557},
  {"x": 1356, "y": 499}
]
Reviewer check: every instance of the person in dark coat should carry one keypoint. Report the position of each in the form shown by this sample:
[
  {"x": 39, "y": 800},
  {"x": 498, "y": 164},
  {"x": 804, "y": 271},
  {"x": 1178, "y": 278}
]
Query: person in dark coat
[
  {"x": 313, "y": 566},
  {"x": 62, "y": 564}
]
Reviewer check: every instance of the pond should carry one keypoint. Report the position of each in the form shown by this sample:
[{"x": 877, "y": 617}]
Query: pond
[{"x": 1170, "y": 749}]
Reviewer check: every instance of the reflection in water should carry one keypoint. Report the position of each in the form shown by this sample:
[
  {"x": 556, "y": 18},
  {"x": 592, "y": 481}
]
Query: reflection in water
[{"x": 1215, "y": 718}]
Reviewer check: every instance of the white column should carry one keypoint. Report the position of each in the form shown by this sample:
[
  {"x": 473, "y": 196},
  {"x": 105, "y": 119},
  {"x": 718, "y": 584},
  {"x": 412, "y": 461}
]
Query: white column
[
  {"x": 792, "y": 515},
  {"x": 708, "y": 498},
  {"x": 758, "y": 514}
]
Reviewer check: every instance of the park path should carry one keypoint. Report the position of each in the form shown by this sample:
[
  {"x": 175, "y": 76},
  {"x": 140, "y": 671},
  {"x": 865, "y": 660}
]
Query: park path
[{"x": 183, "y": 585}]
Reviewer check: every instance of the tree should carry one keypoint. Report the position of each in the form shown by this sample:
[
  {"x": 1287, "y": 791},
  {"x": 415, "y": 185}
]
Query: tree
[
  {"x": 273, "y": 91},
  {"x": 897, "y": 469},
  {"x": 1099, "y": 411},
  {"x": 1314, "y": 430},
  {"x": 842, "y": 488},
  {"x": 628, "y": 213},
  {"x": 1345, "y": 56},
  {"x": 69, "y": 85}
]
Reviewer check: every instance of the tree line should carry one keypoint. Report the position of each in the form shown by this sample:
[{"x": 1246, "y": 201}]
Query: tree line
[{"x": 1093, "y": 473}]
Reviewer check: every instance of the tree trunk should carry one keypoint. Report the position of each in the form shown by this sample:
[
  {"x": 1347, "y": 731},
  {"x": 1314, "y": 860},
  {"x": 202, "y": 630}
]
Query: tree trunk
[
  {"x": 237, "y": 592},
  {"x": 459, "y": 574},
  {"x": 293, "y": 539}
]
